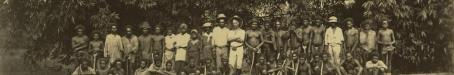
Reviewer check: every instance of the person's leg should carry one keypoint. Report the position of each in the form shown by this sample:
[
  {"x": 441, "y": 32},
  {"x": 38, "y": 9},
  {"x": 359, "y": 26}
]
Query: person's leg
[
  {"x": 337, "y": 51},
  {"x": 218, "y": 57},
  {"x": 232, "y": 58},
  {"x": 240, "y": 55}
]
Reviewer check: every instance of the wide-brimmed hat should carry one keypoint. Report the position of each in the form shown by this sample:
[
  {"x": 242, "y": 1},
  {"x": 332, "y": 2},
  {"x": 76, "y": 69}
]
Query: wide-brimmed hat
[
  {"x": 206, "y": 24},
  {"x": 220, "y": 16},
  {"x": 332, "y": 19}
]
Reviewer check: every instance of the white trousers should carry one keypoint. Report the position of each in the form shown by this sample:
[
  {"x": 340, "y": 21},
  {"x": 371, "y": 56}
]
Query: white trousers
[
  {"x": 236, "y": 57},
  {"x": 334, "y": 52}
]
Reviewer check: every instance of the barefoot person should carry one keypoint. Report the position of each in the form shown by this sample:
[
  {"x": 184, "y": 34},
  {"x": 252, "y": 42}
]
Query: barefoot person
[
  {"x": 142, "y": 70},
  {"x": 318, "y": 35},
  {"x": 113, "y": 46},
  {"x": 269, "y": 38},
  {"x": 96, "y": 47},
  {"x": 84, "y": 69},
  {"x": 194, "y": 48},
  {"x": 281, "y": 39},
  {"x": 375, "y": 66},
  {"x": 145, "y": 42},
  {"x": 220, "y": 32},
  {"x": 236, "y": 39},
  {"x": 103, "y": 67}
]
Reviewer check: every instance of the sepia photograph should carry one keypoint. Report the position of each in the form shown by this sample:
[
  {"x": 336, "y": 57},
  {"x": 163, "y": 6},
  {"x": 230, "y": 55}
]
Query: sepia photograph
[{"x": 226, "y": 37}]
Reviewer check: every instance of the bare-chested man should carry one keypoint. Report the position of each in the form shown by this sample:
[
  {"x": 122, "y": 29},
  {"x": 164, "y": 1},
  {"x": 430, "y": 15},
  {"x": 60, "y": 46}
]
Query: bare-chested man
[
  {"x": 281, "y": 38},
  {"x": 158, "y": 43},
  {"x": 253, "y": 41},
  {"x": 367, "y": 39},
  {"x": 386, "y": 40},
  {"x": 351, "y": 37},
  {"x": 306, "y": 29},
  {"x": 269, "y": 38},
  {"x": 317, "y": 35},
  {"x": 293, "y": 43}
]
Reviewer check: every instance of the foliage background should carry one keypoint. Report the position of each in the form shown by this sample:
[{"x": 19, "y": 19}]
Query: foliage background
[{"x": 44, "y": 27}]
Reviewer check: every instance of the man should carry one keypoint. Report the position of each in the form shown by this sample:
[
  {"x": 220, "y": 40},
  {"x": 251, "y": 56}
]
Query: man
[
  {"x": 304, "y": 67},
  {"x": 79, "y": 42},
  {"x": 194, "y": 48},
  {"x": 130, "y": 47},
  {"x": 281, "y": 38},
  {"x": 318, "y": 35},
  {"x": 351, "y": 66},
  {"x": 294, "y": 42},
  {"x": 386, "y": 40},
  {"x": 306, "y": 33},
  {"x": 103, "y": 68},
  {"x": 117, "y": 68},
  {"x": 96, "y": 47},
  {"x": 155, "y": 67},
  {"x": 145, "y": 42},
  {"x": 254, "y": 41},
  {"x": 236, "y": 39},
  {"x": 182, "y": 39},
  {"x": 84, "y": 69},
  {"x": 169, "y": 41},
  {"x": 158, "y": 43},
  {"x": 260, "y": 68},
  {"x": 351, "y": 37},
  {"x": 269, "y": 39},
  {"x": 113, "y": 46},
  {"x": 333, "y": 39},
  {"x": 167, "y": 70},
  {"x": 220, "y": 34},
  {"x": 375, "y": 66},
  {"x": 325, "y": 66},
  {"x": 207, "y": 51},
  {"x": 142, "y": 70},
  {"x": 367, "y": 39}
]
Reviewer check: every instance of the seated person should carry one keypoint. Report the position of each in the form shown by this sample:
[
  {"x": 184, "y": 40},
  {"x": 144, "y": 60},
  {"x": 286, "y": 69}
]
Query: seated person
[
  {"x": 142, "y": 70},
  {"x": 117, "y": 68},
  {"x": 102, "y": 68},
  {"x": 350, "y": 66},
  {"x": 375, "y": 66},
  {"x": 84, "y": 69}
]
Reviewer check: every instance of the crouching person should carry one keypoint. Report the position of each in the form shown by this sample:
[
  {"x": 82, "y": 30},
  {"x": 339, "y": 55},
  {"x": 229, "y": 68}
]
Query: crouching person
[{"x": 375, "y": 66}]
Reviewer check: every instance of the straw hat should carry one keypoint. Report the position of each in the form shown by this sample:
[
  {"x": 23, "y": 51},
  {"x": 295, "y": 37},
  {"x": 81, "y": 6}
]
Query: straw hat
[
  {"x": 332, "y": 19},
  {"x": 206, "y": 24}
]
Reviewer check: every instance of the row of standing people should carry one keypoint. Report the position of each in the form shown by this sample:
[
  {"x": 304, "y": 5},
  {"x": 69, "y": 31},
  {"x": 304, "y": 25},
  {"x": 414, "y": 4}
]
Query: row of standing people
[{"x": 228, "y": 47}]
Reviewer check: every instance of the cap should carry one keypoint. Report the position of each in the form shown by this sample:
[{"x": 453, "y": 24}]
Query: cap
[
  {"x": 332, "y": 19},
  {"x": 193, "y": 31},
  {"x": 221, "y": 15},
  {"x": 206, "y": 24}
]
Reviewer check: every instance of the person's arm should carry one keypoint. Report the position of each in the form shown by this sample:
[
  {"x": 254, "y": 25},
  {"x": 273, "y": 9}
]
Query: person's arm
[
  {"x": 106, "y": 46},
  {"x": 369, "y": 65},
  {"x": 356, "y": 40},
  {"x": 392, "y": 38},
  {"x": 261, "y": 41},
  {"x": 341, "y": 34},
  {"x": 379, "y": 37},
  {"x": 135, "y": 43},
  {"x": 382, "y": 65},
  {"x": 327, "y": 40}
]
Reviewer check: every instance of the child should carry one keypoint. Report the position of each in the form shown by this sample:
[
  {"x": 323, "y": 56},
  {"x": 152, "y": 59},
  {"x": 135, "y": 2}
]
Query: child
[{"x": 96, "y": 47}]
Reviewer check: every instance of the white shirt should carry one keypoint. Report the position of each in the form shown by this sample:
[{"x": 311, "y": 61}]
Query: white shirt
[
  {"x": 182, "y": 40},
  {"x": 236, "y": 34},
  {"x": 334, "y": 36},
  {"x": 169, "y": 40},
  {"x": 220, "y": 36}
]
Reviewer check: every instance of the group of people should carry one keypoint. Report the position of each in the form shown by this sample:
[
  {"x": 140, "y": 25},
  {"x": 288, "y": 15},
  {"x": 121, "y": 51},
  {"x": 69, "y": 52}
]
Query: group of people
[{"x": 230, "y": 46}]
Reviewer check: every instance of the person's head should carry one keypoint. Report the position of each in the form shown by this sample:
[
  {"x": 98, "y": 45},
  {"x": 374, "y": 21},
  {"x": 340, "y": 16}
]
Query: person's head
[
  {"x": 349, "y": 22},
  {"x": 96, "y": 36},
  {"x": 262, "y": 59},
  {"x": 194, "y": 34},
  {"x": 183, "y": 27},
  {"x": 267, "y": 25},
  {"x": 168, "y": 66},
  {"x": 317, "y": 57},
  {"x": 118, "y": 64},
  {"x": 143, "y": 64},
  {"x": 375, "y": 59},
  {"x": 145, "y": 26},
  {"x": 80, "y": 29},
  {"x": 236, "y": 23},
  {"x": 254, "y": 25},
  {"x": 157, "y": 30},
  {"x": 85, "y": 64},
  {"x": 128, "y": 30},
  {"x": 278, "y": 25},
  {"x": 332, "y": 21},
  {"x": 302, "y": 59},
  {"x": 325, "y": 57},
  {"x": 114, "y": 29},
  {"x": 385, "y": 24},
  {"x": 170, "y": 30},
  {"x": 366, "y": 24},
  {"x": 305, "y": 22},
  {"x": 221, "y": 20},
  {"x": 294, "y": 56}
]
